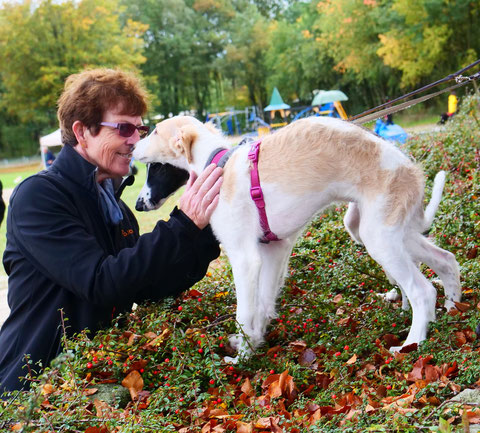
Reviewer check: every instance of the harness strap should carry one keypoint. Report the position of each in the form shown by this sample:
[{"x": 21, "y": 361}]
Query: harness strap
[
  {"x": 216, "y": 155},
  {"x": 257, "y": 194}
]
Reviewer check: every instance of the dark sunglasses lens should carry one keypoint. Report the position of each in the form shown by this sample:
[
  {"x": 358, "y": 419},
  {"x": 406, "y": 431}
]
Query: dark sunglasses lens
[
  {"x": 126, "y": 129},
  {"x": 143, "y": 131}
]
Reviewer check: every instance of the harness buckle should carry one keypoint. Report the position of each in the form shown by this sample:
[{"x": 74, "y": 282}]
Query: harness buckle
[
  {"x": 256, "y": 193},
  {"x": 253, "y": 153}
]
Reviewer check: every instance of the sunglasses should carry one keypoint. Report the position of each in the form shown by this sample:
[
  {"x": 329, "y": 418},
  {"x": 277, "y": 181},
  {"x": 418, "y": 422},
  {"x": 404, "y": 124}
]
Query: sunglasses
[{"x": 128, "y": 129}]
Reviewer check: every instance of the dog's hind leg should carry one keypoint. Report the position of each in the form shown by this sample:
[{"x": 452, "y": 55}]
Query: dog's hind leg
[
  {"x": 443, "y": 264},
  {"x": 275, "y": 256},
  {"x": 387, "y": 248},
  {"x": 351, "y": 220}
]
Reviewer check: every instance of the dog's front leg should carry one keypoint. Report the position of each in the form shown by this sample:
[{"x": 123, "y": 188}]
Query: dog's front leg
[
  {"x": 275, "y": 256},
  {"x": 246, "y": 265}
]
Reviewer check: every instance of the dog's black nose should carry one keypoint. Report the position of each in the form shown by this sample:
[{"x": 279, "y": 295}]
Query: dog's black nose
[{"x": 140, "y": 205}]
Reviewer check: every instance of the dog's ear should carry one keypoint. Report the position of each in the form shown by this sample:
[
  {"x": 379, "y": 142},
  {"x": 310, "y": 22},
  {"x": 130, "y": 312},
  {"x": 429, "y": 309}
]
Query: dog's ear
[{"x": 183, "y": 141}]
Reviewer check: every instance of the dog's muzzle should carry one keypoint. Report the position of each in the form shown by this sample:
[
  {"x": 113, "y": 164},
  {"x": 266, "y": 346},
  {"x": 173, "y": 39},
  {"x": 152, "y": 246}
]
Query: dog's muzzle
[{"x": 140, "y": 205}]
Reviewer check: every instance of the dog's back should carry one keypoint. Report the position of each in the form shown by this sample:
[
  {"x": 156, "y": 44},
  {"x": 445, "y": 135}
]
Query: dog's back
[{"x": 322, "y": 160}]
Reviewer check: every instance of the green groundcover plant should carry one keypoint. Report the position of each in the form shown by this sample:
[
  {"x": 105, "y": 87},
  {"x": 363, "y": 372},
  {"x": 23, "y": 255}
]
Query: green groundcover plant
[{"x": 325, "y": 366}]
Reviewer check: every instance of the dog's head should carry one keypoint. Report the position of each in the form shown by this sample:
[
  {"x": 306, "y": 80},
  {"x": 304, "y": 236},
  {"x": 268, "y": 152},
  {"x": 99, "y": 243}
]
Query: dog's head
[
  {"x": 162, "y": 181},
  {"x": 167, "y": 151},
  {"x": 170, "y": 142}
]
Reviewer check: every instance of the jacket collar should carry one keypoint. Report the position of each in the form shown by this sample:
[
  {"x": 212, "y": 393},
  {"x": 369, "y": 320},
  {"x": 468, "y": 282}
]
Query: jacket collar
[{"x": 73, "y": 166}]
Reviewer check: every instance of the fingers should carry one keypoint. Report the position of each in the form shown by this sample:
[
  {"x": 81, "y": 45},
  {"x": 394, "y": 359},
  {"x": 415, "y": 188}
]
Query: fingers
[
  {"x": 192, "y": 178},
  {"x": 211, "y": 207},
  {"x": 198, "y": 182},
  {"x": 211, "y": 190},
  {"x": 202, "y": 195}
]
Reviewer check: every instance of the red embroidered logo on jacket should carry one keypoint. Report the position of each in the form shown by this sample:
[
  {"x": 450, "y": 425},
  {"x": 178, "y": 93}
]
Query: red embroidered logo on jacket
[{"x": 127, "y": 232}]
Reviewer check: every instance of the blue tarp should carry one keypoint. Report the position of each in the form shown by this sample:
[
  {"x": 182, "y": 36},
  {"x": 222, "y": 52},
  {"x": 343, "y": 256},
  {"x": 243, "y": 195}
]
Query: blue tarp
[{"x": 390, "y": 131}]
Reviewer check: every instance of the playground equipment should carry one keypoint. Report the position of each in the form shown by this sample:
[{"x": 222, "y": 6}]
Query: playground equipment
[
  {"x": 258, "y": 124},
  {"x": 277, "y": 106},
  {"x": 228, "y": 120},
  {"x": 234, "y": 121},
  {"x": 324, "y": 103},
  {"x": 329, "y": 103}
]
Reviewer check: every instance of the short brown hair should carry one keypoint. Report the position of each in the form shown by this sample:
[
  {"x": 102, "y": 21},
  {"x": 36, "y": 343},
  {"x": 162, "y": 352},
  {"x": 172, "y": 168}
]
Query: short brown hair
[{"x": 89, "y": 94}]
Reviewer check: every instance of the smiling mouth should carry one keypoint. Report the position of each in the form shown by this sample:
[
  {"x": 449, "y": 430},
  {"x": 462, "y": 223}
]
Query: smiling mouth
[{"x": 125, "y": 155}]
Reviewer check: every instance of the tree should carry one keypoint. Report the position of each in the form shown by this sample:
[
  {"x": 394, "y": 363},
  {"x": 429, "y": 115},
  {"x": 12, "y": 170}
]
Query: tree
[
  {"x": 245, "y": 53},
  {"x": 348, "y": 31},
  {"x": 297, "y": 63},
  {"x": 41, "y": 44},
  {"x": 183, "y": 44},
  {"x": 431, "y": 39}
]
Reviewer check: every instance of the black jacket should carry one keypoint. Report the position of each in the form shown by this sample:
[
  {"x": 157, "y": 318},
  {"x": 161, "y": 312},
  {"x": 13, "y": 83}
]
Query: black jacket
[{"x": 61, "y": 253}]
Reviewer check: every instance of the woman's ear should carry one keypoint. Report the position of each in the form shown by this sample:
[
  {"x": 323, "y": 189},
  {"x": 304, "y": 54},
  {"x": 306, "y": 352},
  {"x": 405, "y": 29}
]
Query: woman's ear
[{"x": 79, "y": 129}]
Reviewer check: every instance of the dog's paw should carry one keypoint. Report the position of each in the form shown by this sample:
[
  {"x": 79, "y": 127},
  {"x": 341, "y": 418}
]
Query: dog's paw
[
  {"x": 406, "y": 348},
  {"x": 230, "y": 360},
  {"x": 235, "y": 341},
  {"x": 449, "y": 305},
  {"x": 391, "y": 295}
]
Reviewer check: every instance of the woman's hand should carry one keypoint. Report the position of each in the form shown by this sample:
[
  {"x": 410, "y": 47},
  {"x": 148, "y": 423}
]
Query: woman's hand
[{"x": 201, "y": 195}]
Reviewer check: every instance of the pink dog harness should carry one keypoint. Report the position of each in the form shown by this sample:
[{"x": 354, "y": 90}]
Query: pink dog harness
[
  {"x": 220, "y": 157},
  {"x": 257, "y": 194}
]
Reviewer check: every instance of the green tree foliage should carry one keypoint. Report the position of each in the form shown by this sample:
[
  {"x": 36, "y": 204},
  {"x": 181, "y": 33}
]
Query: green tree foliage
[
  {"x": 348, "y": 30},
  {"x": 182, "y": 45},
  {"x": 248, "y": 46},
  {"x": 296, "y": 62},
  {"x": 207, "y": 55},
  {"x": 41, "y": 44},
  {"x": 431, "y": 38}
]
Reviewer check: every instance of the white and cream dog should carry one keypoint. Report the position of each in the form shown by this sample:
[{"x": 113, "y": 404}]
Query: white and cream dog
[{"x": 303, "y": 168}]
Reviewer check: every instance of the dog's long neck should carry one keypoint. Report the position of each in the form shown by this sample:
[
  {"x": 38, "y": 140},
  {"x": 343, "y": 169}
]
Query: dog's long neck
[{"x": 203, "y": 147}]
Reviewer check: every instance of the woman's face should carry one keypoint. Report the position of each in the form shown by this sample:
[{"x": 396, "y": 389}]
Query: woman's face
[{"x": 108, "y": 150}]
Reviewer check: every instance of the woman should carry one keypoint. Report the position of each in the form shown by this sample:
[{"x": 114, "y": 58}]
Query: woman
[{"x": 73, "y": 248}]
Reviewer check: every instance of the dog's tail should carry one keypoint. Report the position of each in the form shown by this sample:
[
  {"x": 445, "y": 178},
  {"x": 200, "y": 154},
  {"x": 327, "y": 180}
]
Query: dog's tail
[{"x": 431, "y": 209}]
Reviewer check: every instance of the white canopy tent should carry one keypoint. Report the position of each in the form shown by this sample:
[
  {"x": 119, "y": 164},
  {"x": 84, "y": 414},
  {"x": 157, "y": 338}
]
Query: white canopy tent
[
  {"x": 53, "y": 139},
  {"x": 50, "y": 140}
]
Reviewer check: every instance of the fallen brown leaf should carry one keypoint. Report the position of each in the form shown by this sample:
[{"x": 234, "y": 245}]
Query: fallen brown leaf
[
  {"x": 352, "y": 360},
  {"x": 247, "y": 388},
  {"x": 462, "y": 306},
  {"x": 307, "y": 358},
  {"x": 472, "y": 253},
  {"x": 474, "y": 416},
  {"x": 134, "y": 383},
  {"x": 47, "y": 389},
  {"x": 244, "y": 427},
  {"x": 460, "y": 338},
  {"x": 337, "y": 298},
  {"x": 104, "y": 410}
]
